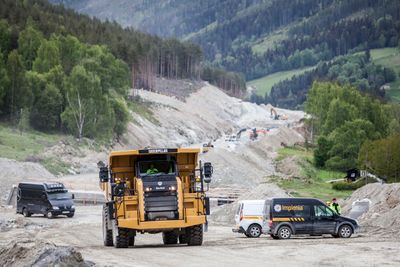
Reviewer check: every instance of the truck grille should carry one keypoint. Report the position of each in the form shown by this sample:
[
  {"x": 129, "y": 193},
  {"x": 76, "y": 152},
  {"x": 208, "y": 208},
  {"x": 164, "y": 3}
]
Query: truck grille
[{"x": 161, "y": 206}]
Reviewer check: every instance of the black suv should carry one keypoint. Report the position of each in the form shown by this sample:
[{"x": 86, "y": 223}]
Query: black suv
[{"x": 285, "y": 217}]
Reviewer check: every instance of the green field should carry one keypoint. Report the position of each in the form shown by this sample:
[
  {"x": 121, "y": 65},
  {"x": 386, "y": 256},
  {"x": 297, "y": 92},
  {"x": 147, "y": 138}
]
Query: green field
[
  {"x": 264, "y": 84},
  {"x": 315, "y": 182},
  {"x": 389, "y": 57},
  {"x": 14, "y": 145}
]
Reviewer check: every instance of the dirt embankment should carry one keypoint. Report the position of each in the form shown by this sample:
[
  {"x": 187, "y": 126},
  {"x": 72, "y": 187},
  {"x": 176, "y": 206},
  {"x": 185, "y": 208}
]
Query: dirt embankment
[{"x": 384, "y": 208}]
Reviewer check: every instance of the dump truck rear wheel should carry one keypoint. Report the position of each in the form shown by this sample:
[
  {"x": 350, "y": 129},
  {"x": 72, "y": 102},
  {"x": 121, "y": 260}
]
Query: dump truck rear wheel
[
  {"x": 183, "y": 239},
  {"x": 195, "y": 235},
  {"x": 121, "y": 238},
  {"x": 170, "y": 238},
  {"x": 107, "y": 234}
]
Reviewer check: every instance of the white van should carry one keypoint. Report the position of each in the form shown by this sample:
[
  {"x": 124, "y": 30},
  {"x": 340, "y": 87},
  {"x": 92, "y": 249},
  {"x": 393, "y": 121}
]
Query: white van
[{"x": 249, "y": 218}]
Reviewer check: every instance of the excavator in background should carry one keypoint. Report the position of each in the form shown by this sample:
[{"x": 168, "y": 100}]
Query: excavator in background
[
  {"x": 155, "y": 191},
  {"x": 276, "y": 116}
]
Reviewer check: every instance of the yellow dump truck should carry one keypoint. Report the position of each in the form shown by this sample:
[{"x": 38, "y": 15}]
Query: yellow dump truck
[{"x": 155, "y": 191}]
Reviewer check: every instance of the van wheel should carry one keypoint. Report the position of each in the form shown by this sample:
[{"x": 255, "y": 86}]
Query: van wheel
[
  {"x": 26, "y": 213},
  {"x": 195, "y": 235},
  {"x": 170, "y": 238},
  {"x": 107, "y": 234},
  {"x": 49, "y": 215},
  {"x": 284, "y": 232},
  {"x": 70, "y": 215},
  {"x": 254, "y": 231},
  {"x": 121, "y": 237},
  {"x": 345, "y": 231}
]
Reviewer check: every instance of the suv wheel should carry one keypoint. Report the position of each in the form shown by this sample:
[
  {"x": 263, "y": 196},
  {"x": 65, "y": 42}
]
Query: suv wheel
[
  {"x": 284, "y": 232},
  {"x": 49, "y": 215},
  {"x": 26, "y": 213},
  {"x": 254, "y": 231},
  {"x": 345, "y": 231}
]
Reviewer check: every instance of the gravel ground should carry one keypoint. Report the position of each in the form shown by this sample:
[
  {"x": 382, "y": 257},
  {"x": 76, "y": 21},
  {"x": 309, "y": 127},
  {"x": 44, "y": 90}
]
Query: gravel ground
[{"x": 221, "y": 247}]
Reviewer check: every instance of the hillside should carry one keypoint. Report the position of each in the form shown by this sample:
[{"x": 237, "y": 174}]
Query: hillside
[{"x": 259, "y": 37}]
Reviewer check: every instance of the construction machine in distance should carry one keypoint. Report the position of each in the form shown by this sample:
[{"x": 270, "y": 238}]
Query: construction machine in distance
[{"x": 155, "y": 191}]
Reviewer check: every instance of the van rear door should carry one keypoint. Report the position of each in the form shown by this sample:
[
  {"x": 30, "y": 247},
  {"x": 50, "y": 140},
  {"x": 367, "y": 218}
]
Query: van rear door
[{"x": 239, "y": 213}]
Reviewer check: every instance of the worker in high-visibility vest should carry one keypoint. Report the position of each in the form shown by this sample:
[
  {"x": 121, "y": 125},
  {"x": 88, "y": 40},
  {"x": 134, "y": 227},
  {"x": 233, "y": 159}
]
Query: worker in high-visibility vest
[{"x": 335, "y": 206}]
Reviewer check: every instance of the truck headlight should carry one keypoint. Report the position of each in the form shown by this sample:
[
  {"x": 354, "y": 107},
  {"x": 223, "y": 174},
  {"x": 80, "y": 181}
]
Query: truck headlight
[{"x": 55, "y": 208}]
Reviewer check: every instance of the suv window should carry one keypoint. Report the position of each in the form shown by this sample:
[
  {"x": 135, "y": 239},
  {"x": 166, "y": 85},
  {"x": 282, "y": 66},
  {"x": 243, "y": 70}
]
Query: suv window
[{"x": 322, "y": 211}]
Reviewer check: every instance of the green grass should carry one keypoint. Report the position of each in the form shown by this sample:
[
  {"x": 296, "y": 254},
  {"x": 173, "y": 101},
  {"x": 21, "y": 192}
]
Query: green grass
[
  {"x": 315, "y": 182},
  {"x": 390, "y": 58},
  {"x": 293, "y": 151},
  {"x": 14, "y": 145},
  {"x": 264, "y": 84}
]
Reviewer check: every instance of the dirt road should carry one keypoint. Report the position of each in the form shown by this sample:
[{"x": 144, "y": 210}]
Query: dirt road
[{"x": 221, "y": 246}]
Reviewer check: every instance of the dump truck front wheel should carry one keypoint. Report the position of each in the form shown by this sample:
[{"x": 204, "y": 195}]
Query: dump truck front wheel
[
  {"x": 195, "y": 235},
  {"x": 120, "y": 237},
  {"x": 170, "y": 238},
  {"x": 107, "y": 234}
]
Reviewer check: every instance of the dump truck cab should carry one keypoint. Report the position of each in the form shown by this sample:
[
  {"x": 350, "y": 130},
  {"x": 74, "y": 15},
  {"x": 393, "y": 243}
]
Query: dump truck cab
[{"x": 155, "y": 191}]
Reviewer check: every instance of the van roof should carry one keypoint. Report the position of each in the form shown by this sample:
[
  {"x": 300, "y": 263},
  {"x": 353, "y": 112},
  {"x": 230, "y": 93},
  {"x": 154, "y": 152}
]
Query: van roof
[
  {"x": 258, "y": 201},
  {"x": 289, "y": 199}
]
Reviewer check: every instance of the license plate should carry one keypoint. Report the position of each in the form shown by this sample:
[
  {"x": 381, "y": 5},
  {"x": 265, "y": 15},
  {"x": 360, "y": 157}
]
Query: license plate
[{"x": 64, "y": 212}]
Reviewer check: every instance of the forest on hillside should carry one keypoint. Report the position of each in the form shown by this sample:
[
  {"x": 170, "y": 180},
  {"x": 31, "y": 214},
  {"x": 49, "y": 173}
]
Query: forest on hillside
[
  {"x": 65, "y": 72},
  {"x": 288, "y": 33},
  {"x": 146, "y": 55},
  {"x": 353, "y": 129},
  {"x": 357, "y": 70}
]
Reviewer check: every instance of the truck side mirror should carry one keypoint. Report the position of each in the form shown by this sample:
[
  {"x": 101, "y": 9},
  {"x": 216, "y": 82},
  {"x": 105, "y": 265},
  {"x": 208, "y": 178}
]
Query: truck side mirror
[
  {"x": 103, "y": 174},
  {"x": 207, "y": 171}
]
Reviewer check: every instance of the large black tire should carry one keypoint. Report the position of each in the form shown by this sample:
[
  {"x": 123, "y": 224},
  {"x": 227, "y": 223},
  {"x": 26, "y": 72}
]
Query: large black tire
[
  {"x": 195, "y": 235},
  {"x": 26, "y": 213},
  {"x": 254, "y": 231},
  {"x": 70, "y": 215},
  {"x": 170, "y": 238},
  {"x": 121, "y": 238},
  {"x": 131, "y": 241},
  {"x": 107, "y": 234},
  {"x": 183, "y": 239},
  {"x": 345, "y": 231},
  {"x": 284, "y": 232}
]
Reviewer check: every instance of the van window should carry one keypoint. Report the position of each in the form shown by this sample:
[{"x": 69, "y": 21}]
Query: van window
[
  {"x": 322, "y": 211},
  {"x": 59, "y": 196}
]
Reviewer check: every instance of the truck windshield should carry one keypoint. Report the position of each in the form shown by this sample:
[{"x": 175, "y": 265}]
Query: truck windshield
[
  {"x": 154, "y": 168},
  {"x": 59, "y": 195}
]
